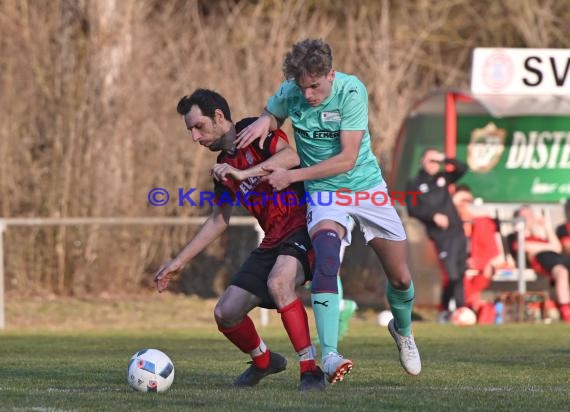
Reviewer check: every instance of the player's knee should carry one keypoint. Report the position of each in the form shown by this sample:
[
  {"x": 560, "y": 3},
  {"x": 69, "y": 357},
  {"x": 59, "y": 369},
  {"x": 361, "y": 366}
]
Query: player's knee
[
  {"x": 277, "y": 285},
  {"x": 559, "y": 273},
  {"x": 401, "y": 283},
  {"x": 219, "y": 314},
  {"x": 225, "y": 316},
  {"x": 400, "y": 280},
  {"x": 326, "y": 245}
]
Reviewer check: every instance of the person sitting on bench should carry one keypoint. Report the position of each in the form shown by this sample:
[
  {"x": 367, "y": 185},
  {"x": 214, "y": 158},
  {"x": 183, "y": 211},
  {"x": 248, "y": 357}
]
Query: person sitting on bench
[{"x": 542, "y": 251}]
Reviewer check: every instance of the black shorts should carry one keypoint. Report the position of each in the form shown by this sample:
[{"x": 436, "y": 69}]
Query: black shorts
[
  {"x": 254, "y": 272},
  {"x": 547, "y": 260}
]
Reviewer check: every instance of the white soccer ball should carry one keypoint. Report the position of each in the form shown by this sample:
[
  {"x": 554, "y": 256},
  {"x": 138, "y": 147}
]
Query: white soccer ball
[
  {"x": 463, "y": 316},
  {"x": 150, "y": 370},
  {"x": 384, "y": 317}
]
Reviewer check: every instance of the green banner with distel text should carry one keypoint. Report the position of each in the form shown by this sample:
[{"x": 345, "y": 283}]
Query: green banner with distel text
[{"x": 516, "y": 159}]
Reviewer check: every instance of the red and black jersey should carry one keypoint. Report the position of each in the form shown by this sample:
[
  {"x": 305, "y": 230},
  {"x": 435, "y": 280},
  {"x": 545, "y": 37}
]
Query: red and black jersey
[
  {"x": 279, "y": 213},
  {"x": 542, "y": 262}
]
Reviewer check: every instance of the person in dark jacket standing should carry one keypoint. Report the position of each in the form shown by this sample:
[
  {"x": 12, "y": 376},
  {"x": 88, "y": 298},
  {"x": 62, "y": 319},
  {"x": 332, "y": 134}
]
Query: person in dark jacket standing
[{"x": 435, "y": 209}]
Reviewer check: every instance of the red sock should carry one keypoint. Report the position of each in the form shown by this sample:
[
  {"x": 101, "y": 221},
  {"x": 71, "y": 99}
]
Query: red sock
[
  {"x": 307, "y": 365},
  {"x": 262, "y": 360},
  {"x": 245, "y": 337},
  {"x": 294, "y": 318},
  {"x": 565, "y": 312}
]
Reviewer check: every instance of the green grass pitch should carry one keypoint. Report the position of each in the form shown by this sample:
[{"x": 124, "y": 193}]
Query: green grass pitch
[{"x": 513, "y": 367}]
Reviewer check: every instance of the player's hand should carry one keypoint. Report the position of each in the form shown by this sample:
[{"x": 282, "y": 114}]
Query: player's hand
[
  {"x": 168, "y": 271},
  {"x": 278, "y": 177},
  {"x": 441, "y": 220},
  {"x": 220, "y": 171},
  {"x": 259, "y": 128}
]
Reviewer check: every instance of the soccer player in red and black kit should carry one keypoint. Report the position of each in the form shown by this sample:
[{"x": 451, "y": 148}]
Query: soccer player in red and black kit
[
  {"x": 542, "y": 251},
  {"x": 270, "y": 274}
]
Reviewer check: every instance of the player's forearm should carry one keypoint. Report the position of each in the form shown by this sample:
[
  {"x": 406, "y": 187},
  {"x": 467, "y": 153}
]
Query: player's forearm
[
  {"x": 331, "y": 167},
  {"x": 274, "y": 122},
  {"x": 210, "y": 231},
  {"x": 551, "y": 235},
  {"x": 286, "y": 158},
  {"x": 459, "y": 169}
]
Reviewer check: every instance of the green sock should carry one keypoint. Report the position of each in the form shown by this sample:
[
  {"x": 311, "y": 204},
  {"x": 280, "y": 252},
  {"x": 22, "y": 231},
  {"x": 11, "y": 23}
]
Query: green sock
[
  {"x": 326, "y": 309},
  {"x": 401, "y": 303},
  {"x": 340, "y": 289}
]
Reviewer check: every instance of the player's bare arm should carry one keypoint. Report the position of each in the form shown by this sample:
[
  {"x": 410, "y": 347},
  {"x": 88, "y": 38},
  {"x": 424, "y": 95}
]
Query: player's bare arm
[
  {"x": 260, "y": 128},
  {"x": 340, "y": 163},
  {"x": 221, "y": 171},
  {"x": 285, "y": 157},
  {"x": 212, "y": 228}
]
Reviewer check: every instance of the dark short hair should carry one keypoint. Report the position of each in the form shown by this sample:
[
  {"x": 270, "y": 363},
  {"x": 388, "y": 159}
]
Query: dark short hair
[
  {"x": 207, "y": 100},
  {"x": 428, "y": 149},
  {"x": 311, "y": 57}
]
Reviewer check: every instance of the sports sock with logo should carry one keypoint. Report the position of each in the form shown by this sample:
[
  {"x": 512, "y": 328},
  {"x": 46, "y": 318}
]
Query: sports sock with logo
[
  {"x": 296, "y": 323},
  {"x": 324, "y": 288},
  {"x": 326, "y": 308},
  {"x": 245, "y": 337},
  {"x": 401, "y": 303}
]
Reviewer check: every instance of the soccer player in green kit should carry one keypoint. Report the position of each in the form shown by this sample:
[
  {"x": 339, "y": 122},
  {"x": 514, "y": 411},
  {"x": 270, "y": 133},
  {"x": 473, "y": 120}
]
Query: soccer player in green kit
[{"x": 329, "y": 114}]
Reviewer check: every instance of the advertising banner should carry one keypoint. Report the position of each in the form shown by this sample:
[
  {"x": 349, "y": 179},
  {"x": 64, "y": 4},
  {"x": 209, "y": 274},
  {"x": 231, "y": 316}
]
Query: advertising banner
[
  {"x": 520, "y": 71},
  {"x": 517, "y": 159},
  {"x": 515, "y": 82}
]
